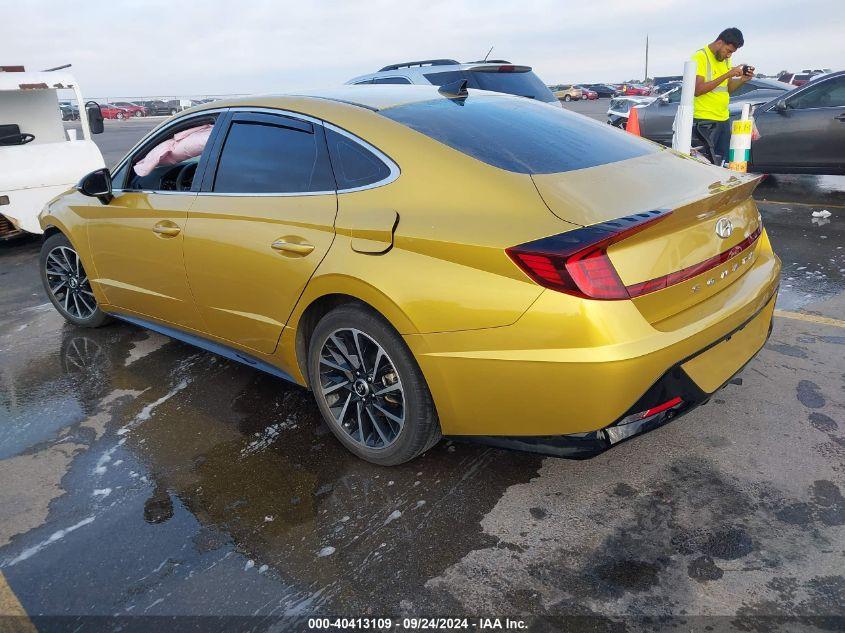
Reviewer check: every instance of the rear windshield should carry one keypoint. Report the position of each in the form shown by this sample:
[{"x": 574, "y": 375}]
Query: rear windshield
[
  {"x": 518, "y": 135},
  {"x": 521, "y": 84}
]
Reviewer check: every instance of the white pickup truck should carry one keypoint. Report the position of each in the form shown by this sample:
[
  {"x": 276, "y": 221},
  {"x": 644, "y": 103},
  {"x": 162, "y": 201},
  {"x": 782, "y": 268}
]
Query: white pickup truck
[{"x": 38, "y": 160}]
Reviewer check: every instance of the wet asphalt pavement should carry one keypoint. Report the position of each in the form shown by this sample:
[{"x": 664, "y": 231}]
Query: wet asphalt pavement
[{"x": 140, "y": 476}]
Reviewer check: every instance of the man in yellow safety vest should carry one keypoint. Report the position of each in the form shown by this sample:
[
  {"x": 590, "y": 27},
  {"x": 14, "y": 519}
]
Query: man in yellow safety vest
[{"x": 715, "y": 80}]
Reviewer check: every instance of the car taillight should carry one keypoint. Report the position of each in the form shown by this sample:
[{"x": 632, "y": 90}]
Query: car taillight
[{"x": 576, "y": 262}]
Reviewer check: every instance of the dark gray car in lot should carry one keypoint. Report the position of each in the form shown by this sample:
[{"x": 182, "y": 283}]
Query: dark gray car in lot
[
  {"x": 803, "y": 131},
  {"x": 656, "y": 114}
]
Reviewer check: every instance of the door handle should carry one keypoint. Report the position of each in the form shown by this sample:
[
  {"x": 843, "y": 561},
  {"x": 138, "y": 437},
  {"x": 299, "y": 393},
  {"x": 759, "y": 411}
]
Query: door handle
[
  {"x": 166, "y": 228},
  {"x": 292, "y": 247}
]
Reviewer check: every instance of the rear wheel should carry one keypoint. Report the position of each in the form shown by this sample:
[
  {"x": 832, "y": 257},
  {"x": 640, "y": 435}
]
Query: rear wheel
[
  {"x": 67, "y": 284},
  {"x": 120, "y": 116},
  {"x": 369, "y": 388},
  {"x": 138, "y": 113},
  {"x": 567, "y": 98},
  {"x": 173, "y": 111}
]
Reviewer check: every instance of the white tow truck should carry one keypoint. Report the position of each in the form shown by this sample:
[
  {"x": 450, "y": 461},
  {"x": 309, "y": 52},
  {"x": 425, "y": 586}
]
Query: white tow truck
[{"x": 38, "y": 160}]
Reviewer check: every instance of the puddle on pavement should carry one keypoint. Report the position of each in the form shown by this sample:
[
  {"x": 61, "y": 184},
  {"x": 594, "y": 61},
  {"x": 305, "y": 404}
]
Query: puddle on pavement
[
  {"x": 189, "y": 475},
  {"x": 802, "y": 188}
]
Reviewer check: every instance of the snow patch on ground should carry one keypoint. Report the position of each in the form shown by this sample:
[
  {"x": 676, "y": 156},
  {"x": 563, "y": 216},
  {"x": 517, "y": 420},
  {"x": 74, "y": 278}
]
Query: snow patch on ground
[
  {"x": 267, "y": 437},
  {"x": 54, "y": 537}
]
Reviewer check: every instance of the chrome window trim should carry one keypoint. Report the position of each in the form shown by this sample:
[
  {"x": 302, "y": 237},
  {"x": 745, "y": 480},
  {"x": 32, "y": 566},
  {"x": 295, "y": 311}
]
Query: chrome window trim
[
  {"x": 395, "y": 171},
  {"x": 388, "y": 162}
]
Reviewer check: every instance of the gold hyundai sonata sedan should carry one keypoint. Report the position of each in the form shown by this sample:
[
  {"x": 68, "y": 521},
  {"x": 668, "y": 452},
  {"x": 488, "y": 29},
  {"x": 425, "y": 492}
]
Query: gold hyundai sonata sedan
[{"x": 428, "y": 262}]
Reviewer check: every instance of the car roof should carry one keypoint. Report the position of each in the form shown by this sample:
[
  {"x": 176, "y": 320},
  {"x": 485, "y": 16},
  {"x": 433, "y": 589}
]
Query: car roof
[
  {"x": 371, "y": 97},
  {"x": 418, "y": 68}
]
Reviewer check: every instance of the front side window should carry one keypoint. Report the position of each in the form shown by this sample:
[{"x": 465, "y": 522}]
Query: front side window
[
  {"x": 519, "y": 135},
  {"x": 354, "y": 165},
  {"x": 169, "y": 161},
  {"x": 259, "y": 156},
  {"x": 825, "y": 94}
]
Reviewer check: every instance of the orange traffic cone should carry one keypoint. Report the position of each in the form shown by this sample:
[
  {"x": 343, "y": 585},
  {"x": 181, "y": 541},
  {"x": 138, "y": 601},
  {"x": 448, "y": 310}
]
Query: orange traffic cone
[{"x": 633, "y": 124}]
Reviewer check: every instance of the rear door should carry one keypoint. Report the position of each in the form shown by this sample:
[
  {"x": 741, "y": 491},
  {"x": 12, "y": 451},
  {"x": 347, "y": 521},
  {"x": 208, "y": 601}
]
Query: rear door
[
  {"x": 809, "y": 135},
  {"x": 260, "y": 226}
]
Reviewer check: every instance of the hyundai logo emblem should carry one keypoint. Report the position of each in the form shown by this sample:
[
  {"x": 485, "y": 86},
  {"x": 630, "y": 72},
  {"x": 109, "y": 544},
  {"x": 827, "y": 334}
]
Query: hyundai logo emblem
[{"x": 724, "y": 228}]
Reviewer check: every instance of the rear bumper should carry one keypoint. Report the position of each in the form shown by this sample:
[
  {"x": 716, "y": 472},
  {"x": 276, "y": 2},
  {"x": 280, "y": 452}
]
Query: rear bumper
[
  {"x": 572, "y": 366},
  {"x": 675, "y": 383}
]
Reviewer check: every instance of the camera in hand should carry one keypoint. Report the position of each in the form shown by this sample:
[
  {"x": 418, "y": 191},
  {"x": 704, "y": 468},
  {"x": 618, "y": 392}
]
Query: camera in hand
[{"x": 747, "y": 70}]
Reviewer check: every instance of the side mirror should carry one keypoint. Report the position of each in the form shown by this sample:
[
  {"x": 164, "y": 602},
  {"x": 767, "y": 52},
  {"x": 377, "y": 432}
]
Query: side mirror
[
  {"x": 781, "y": 106},
  {"x": 95, "y": 117},
  {"x": 97, "y": 184}
]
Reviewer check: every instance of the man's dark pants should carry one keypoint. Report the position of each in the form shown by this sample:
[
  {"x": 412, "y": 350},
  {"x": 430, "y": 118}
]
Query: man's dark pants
[{"x": 716, "y": 135}]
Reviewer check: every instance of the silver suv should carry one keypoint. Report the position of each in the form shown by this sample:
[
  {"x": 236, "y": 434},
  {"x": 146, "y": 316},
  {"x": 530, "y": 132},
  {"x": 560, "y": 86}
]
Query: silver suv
[{"x": 494, "y": 74}]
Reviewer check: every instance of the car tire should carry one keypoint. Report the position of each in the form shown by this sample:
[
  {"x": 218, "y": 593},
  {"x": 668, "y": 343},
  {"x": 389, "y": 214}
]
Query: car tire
[
  {"x": 173, "y": 111},
  {"x": 357, "y": 411},
  {"x": 120, "y": 116},
  {"x": 67, "y": 285},
  {"x": 138, "y": 113},
  {"x": 567, "y": 98}
]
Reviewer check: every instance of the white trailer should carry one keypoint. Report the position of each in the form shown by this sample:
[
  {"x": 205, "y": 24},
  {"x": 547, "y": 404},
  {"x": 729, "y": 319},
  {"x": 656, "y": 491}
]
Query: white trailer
[{"x": 38, "y": 161}]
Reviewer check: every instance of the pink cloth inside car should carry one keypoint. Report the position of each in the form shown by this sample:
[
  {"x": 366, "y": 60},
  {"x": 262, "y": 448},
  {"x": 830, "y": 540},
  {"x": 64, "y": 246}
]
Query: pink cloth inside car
[{"x": 184, "y": 145}]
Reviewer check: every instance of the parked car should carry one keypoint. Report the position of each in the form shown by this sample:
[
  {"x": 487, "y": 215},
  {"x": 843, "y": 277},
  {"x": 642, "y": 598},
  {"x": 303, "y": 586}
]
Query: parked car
[
  {"x": 665, "y": 87},
  {"x": 111, "y": 111},
  {"x": 657, "y": 114},
  {"x": 37, "y": 159},
  {"x": 636, "y": 90},
  {"x": 566, "y": 92},
  {"x": 620, "y": 106},
  {"x": 414, "y": 256},
  {"x": 157, "y": 107},
  {"x": 496, "y": 74},
  {"x": 131, "y": 108},
  {"x": 603, "y": 90},
  {"x": 802, "y": 131},
  {"x": 70, "y": 111},
  {"x": 586, "y": 93}
]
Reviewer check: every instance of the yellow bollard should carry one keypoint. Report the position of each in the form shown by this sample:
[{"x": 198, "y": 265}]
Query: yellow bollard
[{"x": 740, "y": 149}]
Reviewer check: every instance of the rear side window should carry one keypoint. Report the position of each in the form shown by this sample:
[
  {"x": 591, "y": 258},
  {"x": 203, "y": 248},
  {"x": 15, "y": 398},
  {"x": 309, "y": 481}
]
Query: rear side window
[
  {"x": 260, "y": 157},
  {"x": 354, "y": 165},
  {"x": 518, "y": 135},
  {"x": 521, "y": 84},
  {"x": 391, "y": 80}
]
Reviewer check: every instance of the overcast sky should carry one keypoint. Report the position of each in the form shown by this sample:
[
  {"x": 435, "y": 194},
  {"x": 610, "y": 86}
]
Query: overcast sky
[{"x": 183, "y": 47}]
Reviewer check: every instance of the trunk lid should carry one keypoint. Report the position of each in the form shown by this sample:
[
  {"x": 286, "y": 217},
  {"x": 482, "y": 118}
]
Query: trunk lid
[{"x": 681, "y": 259}]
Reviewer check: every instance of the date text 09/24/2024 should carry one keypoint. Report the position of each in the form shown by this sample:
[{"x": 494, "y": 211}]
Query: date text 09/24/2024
[{"x": 412, "y": 624}]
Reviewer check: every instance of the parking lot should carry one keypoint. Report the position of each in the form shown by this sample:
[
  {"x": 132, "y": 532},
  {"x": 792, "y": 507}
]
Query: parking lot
[{"x": 148, "y": 477}]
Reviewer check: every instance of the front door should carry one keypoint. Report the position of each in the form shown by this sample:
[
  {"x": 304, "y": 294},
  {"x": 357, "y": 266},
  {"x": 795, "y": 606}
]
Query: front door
[
  {"x": 261, "y": 225},
  {"x": 136, "y": 240},
  {"x": 809, "y": 134}
]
